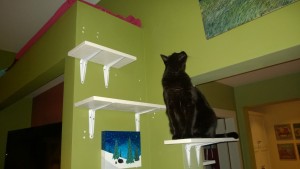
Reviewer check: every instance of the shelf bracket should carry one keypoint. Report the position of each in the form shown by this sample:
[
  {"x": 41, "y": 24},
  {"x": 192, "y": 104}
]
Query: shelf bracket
[
  {"x": 92, "y": 119},
  {"x": 137, "y": 122},
  {"x": 106, "y": 69},
  {"x": 137, "y": 118},
  {"x": 197, "y": 149},
  {"x": 188, "y": 153},
  {"x": 198, "y": 155},
  {"x": 91, "y": 122},
  {"x": 83, "y": 65}
]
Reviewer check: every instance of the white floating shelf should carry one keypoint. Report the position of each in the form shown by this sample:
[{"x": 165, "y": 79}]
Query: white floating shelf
[
  {"x": 198, "y": 143},
  {"x": 95, "y": 103},
  {"x": 88, "y": 51}
]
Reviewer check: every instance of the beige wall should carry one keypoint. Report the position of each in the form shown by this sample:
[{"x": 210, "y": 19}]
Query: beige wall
[{"x": 281, "y": 113}]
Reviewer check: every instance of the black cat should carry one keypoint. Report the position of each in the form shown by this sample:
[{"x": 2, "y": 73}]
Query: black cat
[{"x": 190, "y": 115}]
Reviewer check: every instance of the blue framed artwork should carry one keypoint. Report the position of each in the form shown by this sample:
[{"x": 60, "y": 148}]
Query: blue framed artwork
[
  {"x": 220, "y": 16},
  {"x": 121, "y": 149}
]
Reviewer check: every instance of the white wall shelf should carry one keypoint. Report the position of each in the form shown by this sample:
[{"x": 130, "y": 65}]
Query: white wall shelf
[
  {"x": 88, "y": 51},
  {"x": 95, "y": 103},
  {"x": 201, "y": 141},
  {"x": 198, "y": 143}
]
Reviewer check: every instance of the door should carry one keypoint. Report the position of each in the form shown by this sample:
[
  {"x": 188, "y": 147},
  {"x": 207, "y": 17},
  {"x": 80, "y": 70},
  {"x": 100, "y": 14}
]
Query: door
[{"x": 259, "y": 140}]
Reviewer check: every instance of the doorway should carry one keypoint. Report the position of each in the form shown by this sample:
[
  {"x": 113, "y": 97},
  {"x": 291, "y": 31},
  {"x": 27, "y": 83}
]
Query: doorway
[
  {"x": 227, "y": 155},
  {"x": 262, "y": 121}
]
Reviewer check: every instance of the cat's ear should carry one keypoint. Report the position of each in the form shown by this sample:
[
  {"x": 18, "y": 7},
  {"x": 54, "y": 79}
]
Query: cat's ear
[{"x": 164, "y": 58}]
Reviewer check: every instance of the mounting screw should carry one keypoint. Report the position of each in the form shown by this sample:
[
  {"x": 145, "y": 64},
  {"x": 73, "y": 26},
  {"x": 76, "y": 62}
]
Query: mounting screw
[{"x": 83, "y": 28}]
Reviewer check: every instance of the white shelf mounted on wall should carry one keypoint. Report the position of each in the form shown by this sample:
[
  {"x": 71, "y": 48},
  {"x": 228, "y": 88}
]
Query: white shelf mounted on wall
[
  {"x": 198, "y": 143},
  {"x": 95, "y": 103},
  {"x": 88, "y": 51}
]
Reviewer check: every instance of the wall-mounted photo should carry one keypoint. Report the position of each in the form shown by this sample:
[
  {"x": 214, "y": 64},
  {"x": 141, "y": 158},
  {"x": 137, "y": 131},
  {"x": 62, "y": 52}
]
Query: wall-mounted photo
[
  {"x": 283, "y": 132},
  {"x": 286, "y": 151},
  {"x": 121, "y": 149},
  {"x": 297, "y": 130},
  {"x": 220, "y": 16}
]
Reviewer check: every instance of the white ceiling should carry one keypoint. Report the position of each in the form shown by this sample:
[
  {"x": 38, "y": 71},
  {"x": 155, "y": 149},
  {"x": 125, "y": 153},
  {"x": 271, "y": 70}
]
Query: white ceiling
[
  {"x": 21, "y": 19},
  {"x": 263, "y": 74}
]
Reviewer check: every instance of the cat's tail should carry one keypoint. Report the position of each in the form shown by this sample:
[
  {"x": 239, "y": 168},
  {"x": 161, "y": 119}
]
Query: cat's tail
[{"x": 230, "y": 134}]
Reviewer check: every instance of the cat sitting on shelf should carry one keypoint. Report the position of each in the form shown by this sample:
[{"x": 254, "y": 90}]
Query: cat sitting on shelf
[{"x": 189, "y": 114}]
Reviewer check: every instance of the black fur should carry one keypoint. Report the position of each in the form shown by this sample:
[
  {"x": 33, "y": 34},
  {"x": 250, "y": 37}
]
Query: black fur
[{"x": 189, "y": 114}]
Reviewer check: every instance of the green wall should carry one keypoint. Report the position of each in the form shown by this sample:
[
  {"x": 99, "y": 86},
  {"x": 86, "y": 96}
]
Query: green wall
[
  {"x": 280, "y": 89},
  {"x": 218, "y": 95},
  {"x": 174, "y": 25},
  {"x": 6, "y": 59},
  {"x": 16, "y": 116},
  {"x": 177, "y": 25},
  {"x": 79, "y": 151}
]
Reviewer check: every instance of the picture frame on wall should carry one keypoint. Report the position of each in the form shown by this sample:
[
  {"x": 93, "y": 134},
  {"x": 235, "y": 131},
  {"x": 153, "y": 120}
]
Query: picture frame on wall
[
  {"x": 283, "y": 132},
  {"x": 286, "y": 151},
  {"x": 120, "y": 149},
  {"x": 221, "y": 16},
  {"x": 296, "y": 127}
]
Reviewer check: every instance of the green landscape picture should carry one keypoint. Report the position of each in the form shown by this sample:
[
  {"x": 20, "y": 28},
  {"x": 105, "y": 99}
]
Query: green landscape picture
[{"x": 220, "y": 16}]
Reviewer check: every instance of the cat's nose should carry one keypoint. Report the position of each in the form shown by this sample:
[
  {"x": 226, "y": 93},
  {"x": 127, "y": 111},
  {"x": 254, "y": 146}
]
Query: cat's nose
[{"x": 183, "y": 54}]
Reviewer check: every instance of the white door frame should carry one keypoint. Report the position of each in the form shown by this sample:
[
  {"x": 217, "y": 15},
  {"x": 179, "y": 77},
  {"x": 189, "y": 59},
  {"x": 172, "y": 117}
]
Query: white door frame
[{"x": 234, "y": 150}]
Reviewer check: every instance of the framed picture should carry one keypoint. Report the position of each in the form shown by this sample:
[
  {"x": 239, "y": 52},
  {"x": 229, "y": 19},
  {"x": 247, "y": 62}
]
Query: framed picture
[
  {"x": 297, "y": 130},
  {"x": 221, "y": 16},
  {"x": 283, "y": 132},
  {"x": 121, "y": 149},
  {"x": 286, "y": 151}
]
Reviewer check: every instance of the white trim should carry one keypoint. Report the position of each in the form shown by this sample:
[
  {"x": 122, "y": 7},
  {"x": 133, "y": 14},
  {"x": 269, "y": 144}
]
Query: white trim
[{"x": 47, "y": 86}]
